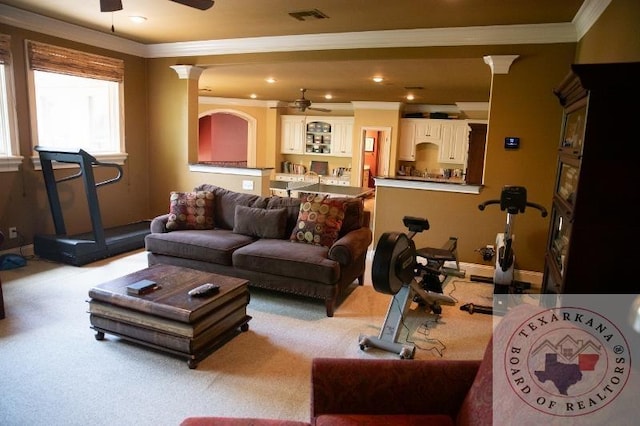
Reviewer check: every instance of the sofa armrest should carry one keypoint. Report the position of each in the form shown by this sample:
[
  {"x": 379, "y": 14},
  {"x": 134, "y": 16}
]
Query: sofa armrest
[
  {"x": 377, "y": 387},
  {"x": 159, "y": 224},
  {"x": 351, "y": 246}
]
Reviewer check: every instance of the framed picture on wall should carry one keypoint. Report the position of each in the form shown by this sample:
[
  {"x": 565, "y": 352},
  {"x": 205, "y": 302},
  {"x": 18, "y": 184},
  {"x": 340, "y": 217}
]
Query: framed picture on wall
[{"x": 368, "y": 144}]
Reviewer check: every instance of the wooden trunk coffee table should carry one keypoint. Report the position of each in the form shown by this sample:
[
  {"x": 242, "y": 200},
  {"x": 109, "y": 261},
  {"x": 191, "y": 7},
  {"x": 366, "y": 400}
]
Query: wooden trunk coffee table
[{"x": 168, "y": 318}]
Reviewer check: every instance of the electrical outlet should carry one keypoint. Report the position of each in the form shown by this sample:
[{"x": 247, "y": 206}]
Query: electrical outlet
[{"x": 13, "y": 232}]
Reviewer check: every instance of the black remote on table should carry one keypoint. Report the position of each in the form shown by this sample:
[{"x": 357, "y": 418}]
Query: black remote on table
[{"x": 204, "y": 290}]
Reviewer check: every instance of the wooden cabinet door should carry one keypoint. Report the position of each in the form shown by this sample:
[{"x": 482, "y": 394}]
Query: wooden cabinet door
[
  {"x": 455, "y": 143},
  {"x": 293, "y": 134},
  {"x": 428, "y": 131},
  {"x": 406, "y": 142},
  {"x": 342, "y": 142}
]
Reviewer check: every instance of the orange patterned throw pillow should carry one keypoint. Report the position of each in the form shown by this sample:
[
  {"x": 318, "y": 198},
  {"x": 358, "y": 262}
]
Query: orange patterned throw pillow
[
  {"x": 190, "y": 210},
  {"x": 319, "y": 220}
]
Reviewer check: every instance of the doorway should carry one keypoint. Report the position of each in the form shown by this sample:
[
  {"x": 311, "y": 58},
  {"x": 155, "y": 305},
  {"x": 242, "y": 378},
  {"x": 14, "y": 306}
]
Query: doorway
[{"x": 375, "y": 148}]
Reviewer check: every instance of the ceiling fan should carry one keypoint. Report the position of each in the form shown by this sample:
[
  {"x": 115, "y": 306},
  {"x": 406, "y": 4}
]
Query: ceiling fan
[
  {"x": 114, "y": 5},
  {"x": 303, "y": 104}
]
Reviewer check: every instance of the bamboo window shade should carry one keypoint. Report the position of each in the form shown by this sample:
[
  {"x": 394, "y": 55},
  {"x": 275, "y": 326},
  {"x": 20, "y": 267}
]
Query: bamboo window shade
[
  {"x": 49, "y": 58},
  {"x": 5, "y": 49}
]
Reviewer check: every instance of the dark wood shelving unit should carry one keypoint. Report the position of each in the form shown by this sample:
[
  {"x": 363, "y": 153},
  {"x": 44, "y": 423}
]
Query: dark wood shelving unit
[{"x": 594, "y": 231}]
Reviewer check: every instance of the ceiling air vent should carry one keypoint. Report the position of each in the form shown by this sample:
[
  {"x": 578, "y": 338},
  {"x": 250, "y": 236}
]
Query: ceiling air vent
[{"x": 306, "y": 15}]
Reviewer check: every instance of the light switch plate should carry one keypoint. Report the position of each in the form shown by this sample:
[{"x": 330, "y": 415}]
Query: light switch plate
[{"x": 247, "y": 184}]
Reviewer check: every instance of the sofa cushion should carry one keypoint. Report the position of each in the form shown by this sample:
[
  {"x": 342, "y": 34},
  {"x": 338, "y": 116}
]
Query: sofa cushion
[
  {"x": 384, "y": 420},
  {"x": 215, "y": 245},
  {"x": 224, "y": 211},
  {"x": 319, "y": 220},
  {"x": 260, "y": 223},
  {"x": 190, "y": 210},
  {"x": 353, "y": 215},
  {"x": 293, "y": 208},
  {"x": 284, "y": 258}
]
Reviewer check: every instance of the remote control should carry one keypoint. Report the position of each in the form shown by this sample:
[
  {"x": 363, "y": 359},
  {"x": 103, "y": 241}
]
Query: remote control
[{"x": 204, "y": 290}]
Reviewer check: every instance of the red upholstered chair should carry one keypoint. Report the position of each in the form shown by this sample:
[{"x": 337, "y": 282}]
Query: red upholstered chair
[
  {"x": 402, "y": 392},
  {"x": 349, "y": 392}
]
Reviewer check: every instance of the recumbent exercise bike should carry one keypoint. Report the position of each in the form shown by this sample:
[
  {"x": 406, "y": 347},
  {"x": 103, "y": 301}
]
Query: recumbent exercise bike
[
  {"x": 396, "y": 271},
  {"x": 513, "y": 199}
]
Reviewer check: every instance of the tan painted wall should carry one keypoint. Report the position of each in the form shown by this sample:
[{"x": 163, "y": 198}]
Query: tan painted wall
[
  {"x": 522, "y": 105},
  {"x": 23, "y": 198},
  {"x": 157, "y": 138},
  {"x": 615, "y": 37}
]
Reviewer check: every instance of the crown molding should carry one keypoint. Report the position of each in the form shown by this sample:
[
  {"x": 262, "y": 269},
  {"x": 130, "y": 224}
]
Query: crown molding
[
  {"x": 462, "y": 36},
  {"x": 588, "y": 14},
  {"x": 459, "y": 36},
  {"x": 214, "y": 100},
  {"x": 53, "y": 27},
  {"x": 473, "y": 106},
  {"x": 387, "y": 106}
]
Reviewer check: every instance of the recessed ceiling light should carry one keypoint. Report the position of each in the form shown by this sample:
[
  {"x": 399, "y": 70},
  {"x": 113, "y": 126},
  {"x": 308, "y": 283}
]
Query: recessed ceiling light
[
  {"x": 378, "y": 79},
  {"x": 410, "y": 97},
  {"x": 137, "y": 19},
  {"x": 253, "y": 96},
  {"x": 328, "y": 96},
  {"x": 270, "y": 80}
]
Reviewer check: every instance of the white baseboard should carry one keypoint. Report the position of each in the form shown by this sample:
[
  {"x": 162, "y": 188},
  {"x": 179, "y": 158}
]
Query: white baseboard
[{"x": 535, "y": 278}]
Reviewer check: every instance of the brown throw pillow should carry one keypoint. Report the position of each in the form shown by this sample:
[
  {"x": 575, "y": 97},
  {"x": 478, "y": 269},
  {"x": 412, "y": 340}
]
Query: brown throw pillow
[
  {"x": 261, "y": 223},
  {"x": 319, "y": 220},
  {"x": 190, "y": 210}
]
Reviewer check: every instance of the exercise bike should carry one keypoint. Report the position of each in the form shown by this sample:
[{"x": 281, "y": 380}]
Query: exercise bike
[
  {"x": 394, "y": 272},
  {"x": 513, "y": 199}
]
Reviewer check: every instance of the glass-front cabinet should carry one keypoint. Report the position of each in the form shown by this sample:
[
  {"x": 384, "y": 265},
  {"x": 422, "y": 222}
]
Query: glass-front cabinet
[
  {"x": 318, "y": 137},
  {"x": 594, "y": 233},
  {"x": 328, "y": 136}
]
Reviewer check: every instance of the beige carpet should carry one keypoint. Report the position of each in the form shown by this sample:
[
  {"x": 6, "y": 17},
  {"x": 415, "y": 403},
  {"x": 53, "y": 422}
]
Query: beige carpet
[{"x": 53, "y": 372}]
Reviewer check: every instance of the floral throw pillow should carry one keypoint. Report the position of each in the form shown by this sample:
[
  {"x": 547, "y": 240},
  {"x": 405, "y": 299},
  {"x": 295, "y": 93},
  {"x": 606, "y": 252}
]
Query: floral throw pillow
[
  {"x": 190, "y": 210},
  {"x": 319, "y": 220}
]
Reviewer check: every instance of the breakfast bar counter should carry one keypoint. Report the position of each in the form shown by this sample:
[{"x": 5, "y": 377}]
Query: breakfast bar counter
[{"x": 428, "y": 184}]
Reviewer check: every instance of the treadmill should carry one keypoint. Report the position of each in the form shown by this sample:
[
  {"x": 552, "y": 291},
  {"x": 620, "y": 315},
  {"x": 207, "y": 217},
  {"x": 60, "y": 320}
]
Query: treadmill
[{"x": 97, "y": 244}]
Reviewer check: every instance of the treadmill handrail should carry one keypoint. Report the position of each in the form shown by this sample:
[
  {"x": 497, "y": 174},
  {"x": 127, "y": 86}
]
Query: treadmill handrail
[{"x": 78, "y": 156}]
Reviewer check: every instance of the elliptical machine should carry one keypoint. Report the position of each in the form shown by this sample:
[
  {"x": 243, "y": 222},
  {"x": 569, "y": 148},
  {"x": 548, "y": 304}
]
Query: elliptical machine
[{"x": 513, "y": 199}]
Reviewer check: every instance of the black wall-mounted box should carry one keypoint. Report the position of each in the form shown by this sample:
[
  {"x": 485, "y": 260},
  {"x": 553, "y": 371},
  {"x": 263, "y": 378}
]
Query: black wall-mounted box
[{"x": 511, "y": 142}]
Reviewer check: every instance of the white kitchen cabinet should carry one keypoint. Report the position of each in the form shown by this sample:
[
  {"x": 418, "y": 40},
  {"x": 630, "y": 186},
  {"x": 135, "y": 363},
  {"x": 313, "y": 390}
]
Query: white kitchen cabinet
[
  {"x": 327, "y": 136},
  {"x": 293, "y": 134},
  {"x": 455, "y": 142},
  {"x": 342, "y": 142},
  {"x": 406, "y": 142},
  {"x": 428, "y": 131}
]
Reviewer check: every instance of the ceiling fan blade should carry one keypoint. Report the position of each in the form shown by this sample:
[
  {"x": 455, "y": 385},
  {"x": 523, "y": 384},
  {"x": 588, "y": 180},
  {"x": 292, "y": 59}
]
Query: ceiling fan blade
[
  {"x": 198, "y": 4},
  {"x": 319, "y": 109},
  {"x": 110, "y": 5}
]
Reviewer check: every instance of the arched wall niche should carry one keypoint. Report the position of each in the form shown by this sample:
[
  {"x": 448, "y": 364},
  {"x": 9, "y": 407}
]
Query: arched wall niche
[{"x": 220, "y": 133}]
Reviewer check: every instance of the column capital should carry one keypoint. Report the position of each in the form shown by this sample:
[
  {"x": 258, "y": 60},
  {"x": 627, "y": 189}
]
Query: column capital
[
  {"x": 500, "y": 64},
  {"x": 190, "y": 72}
]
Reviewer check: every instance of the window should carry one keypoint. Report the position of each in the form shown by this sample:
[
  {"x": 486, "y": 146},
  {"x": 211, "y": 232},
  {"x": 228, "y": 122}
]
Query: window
[
  {"x": 77, "y": 100},
  {"x": 10, "y": 159}
]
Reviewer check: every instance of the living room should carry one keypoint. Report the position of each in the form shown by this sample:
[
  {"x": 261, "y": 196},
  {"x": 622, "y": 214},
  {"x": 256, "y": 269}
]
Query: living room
[{"x": 159, "y": 112}]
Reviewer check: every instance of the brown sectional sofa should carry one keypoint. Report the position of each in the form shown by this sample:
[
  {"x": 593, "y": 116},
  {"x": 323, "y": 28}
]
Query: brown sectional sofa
[{"x": 272, "y": 263}]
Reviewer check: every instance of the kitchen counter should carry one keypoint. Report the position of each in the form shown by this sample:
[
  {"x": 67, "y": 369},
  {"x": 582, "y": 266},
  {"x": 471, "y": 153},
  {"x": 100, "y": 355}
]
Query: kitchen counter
[
  {"x": 457, "y": 181},
  {"x": 428, "y": 184}
]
